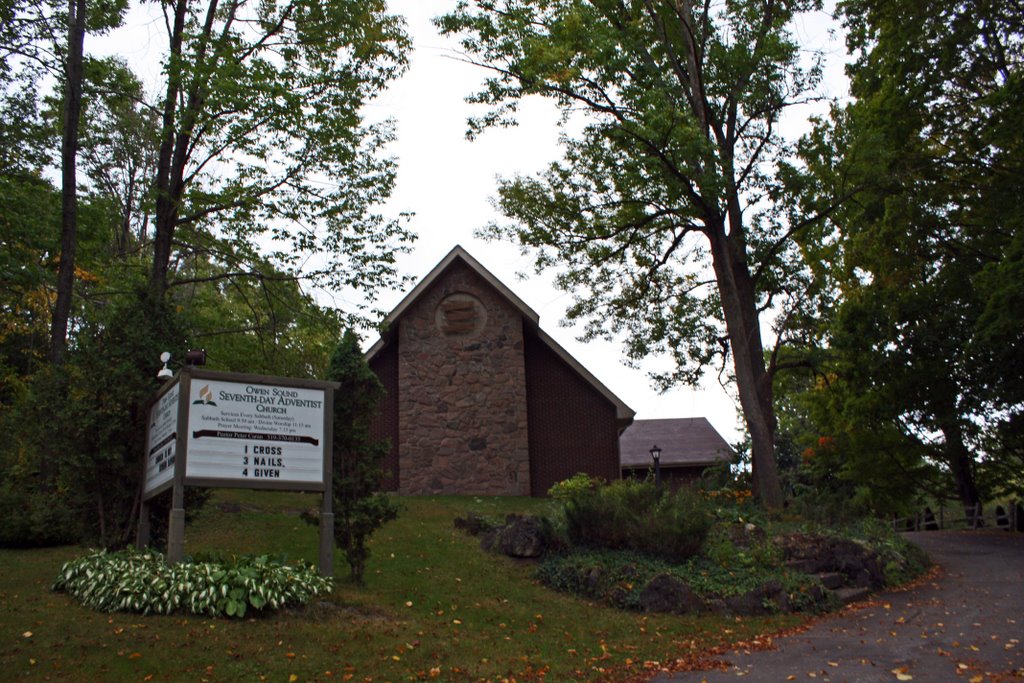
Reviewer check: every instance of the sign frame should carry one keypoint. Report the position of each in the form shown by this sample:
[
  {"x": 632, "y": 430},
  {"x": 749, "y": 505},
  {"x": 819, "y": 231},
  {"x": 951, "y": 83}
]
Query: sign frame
[{"x": 183, "y": 381}]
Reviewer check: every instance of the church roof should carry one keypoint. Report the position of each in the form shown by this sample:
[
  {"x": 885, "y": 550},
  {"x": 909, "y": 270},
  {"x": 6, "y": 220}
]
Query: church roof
[{"x": 683, "y": 442}]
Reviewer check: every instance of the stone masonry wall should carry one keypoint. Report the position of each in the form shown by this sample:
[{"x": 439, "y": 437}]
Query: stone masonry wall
[{"x": 462, "y": 408}]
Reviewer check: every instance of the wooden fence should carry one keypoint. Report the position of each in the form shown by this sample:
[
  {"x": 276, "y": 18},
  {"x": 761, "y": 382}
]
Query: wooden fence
[{"x": 1008, "y": 518}]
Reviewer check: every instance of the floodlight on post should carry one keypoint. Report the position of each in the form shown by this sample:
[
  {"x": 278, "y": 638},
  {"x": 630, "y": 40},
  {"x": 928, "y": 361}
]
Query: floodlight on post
[
  {"x": 656, "y": 456},
  {"x": 196, "y": 357},
  {"x": 165, "y": 372}
]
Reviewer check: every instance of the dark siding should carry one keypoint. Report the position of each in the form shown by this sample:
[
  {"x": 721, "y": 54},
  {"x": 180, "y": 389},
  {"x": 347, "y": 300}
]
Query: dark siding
[
  {"x": 385, "y": 424},
  {"x": 572, "y": 426}
]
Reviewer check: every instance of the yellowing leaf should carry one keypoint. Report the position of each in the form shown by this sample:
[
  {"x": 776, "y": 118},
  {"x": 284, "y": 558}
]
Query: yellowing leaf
[
  {"x": 292, "y": 678},
  {"x": 26, "y": 634}
]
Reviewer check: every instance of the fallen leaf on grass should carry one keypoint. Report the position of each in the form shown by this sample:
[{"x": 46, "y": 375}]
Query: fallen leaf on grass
[{"x": 26, "y": 634}]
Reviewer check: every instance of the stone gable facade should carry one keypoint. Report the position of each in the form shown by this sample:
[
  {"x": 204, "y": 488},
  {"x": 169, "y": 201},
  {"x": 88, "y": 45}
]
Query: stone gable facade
[
  {"x": 479, "y": 400},
  {"x": 462, "y": 401}
]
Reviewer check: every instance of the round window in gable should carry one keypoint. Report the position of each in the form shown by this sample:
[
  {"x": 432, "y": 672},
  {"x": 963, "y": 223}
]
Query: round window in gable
[{"x": 460, "y": 315}]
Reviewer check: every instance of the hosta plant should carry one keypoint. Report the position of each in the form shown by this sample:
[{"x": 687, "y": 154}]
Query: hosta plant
[{"x": 141, "y": 581}]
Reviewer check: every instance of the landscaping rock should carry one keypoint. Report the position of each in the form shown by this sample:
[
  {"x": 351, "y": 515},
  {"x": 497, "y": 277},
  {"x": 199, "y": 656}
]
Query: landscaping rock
[
  {"x": 665, "y": 593},
  {"x": 816, "y": 554},
  {"x": 767, "y": 599},
  {"x": 523, "y": 536}
]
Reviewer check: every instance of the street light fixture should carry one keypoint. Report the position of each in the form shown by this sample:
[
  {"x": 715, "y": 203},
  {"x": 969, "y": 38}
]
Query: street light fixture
[
  {"x": 656, "y": 455},
  {"x": 165, "y": 372}
]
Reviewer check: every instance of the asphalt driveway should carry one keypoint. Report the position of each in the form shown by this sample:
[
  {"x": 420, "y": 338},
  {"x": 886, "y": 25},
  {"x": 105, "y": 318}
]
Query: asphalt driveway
[{"x": 965, "y": 626}]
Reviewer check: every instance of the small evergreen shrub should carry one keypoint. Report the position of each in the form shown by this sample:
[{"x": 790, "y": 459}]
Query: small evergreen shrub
[
  {"x": 635, "y": 515},
  {"x": 141, "y": 581},
  {"x": 573, "y": 486}
]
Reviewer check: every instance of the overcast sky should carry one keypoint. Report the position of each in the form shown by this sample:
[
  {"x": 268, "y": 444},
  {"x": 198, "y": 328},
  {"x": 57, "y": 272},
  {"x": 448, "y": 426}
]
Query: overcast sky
[{"x": 448, "y": 183}]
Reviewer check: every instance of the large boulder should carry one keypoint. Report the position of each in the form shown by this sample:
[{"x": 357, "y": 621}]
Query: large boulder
[
  {"x": 769, "y": 598},
  {"x": 523, "y": 536},
  {"x": 817, "y": 554},
  {"x": 666, "y": 593}
]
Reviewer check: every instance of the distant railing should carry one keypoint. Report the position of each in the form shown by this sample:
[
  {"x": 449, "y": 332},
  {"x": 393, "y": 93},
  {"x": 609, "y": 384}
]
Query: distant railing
[{"x": 1008, "y": 518}]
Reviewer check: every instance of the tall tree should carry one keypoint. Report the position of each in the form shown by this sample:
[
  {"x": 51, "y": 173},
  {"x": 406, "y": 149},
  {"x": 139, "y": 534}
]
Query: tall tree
[
  {"x": 69, "y": 178},
  {"x": 78, "y": 20},
  {"x": 262, "y": 139},
  {"x": 925, "y": 255},
  {"x": 661, "y": 217}
]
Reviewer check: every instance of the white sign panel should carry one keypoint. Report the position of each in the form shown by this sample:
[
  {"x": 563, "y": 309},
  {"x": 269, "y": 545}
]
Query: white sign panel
[
  {"x": 162, "y": 439},
  {"x": 256, "y": 433}
]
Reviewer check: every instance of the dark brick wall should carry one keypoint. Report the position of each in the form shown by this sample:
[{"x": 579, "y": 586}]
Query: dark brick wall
[
  {"x": 572, "y": 426},
  {"x": 385, "y": 424}
]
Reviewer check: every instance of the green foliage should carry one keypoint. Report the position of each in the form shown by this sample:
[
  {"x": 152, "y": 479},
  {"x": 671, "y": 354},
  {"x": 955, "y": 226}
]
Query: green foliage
[
  {"x": 360, "y": 507},
  {"x": 33, "y": 518},
  {"x": 76, "y": 433},
  {"x": 577, "y": 484},
  {"x": 142, "y": 582},
  {"x": 635, "y": 515},
  {"x": 923, "y": 338},
  {"x": 272, "y": 95}
]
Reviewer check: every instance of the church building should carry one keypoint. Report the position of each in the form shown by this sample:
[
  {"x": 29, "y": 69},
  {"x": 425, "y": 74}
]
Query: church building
[{"x": 480, "y": 400}]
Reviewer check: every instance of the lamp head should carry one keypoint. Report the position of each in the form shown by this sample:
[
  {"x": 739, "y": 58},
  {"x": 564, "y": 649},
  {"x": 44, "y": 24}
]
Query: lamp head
[{"x": 165, "y": 372}]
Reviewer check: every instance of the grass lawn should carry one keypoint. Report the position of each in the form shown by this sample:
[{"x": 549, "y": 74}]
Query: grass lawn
[{"x": 434, "y": 607}]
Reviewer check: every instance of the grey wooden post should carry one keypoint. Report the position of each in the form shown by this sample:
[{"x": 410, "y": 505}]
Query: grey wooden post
[
  {"x": 142, "y": 537},
  {"x": 327, "y": 505}
]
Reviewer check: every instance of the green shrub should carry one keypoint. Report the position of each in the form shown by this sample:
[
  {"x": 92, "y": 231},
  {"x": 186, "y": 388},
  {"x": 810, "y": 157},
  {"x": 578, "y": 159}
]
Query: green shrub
[
  {"x": 574, "y": 485},
  {"x": 619, "y": 578},
  {"x": 635, "y": 515},
  {"x": 34, "y": 518},
  {"x": 141, "y": 581}
]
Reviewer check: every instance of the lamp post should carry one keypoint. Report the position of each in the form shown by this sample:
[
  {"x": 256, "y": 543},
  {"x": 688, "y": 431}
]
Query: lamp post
[{"x": 656, "y": 455}]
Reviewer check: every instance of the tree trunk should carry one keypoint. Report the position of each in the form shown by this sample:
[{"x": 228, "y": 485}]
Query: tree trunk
[
  {"x": 960, "y": 462},
  {"x": 69, "y": 180},
  {"x": 166, "y": 202},
  {"x": 736, "y": 290}
]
